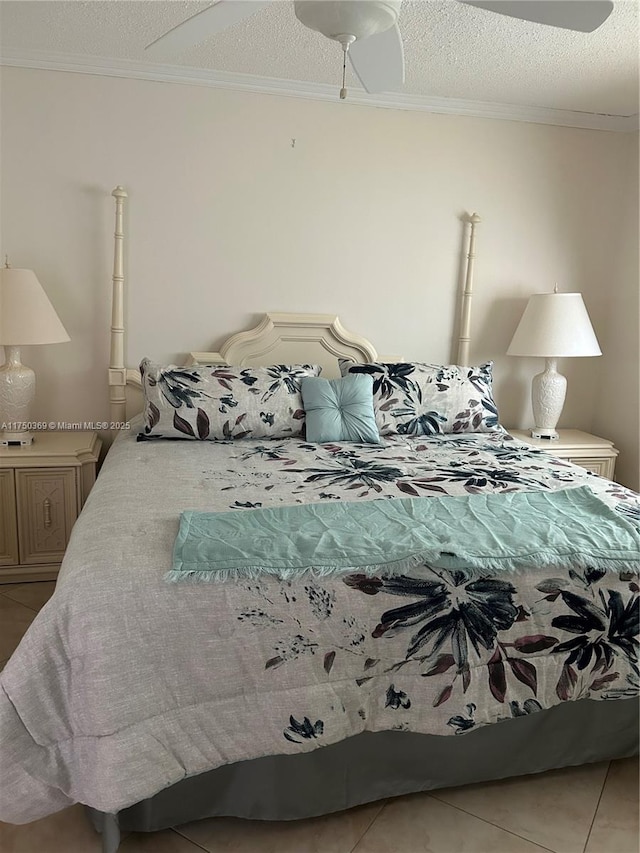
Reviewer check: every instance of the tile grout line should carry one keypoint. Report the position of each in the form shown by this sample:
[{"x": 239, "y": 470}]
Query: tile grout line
[
  {"x": 595, "y": 811},
  {"x": 19, "y": 603},
  {"x": 32, "y": 609},
  {"x": 384, "y": 805},
  {"x": 206, "y": 850},
  {"x": 496, "y": 825},
  {"x": 6, "y": 596},
  {"x": 186, "y": 838}
]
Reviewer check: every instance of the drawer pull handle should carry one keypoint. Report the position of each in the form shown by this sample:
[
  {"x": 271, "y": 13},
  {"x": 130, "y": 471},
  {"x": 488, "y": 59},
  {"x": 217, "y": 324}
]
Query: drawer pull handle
[{"x": 46, "y": 505}]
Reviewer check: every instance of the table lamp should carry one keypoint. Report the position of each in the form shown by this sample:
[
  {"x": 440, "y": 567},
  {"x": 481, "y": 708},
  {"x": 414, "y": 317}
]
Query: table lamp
[
  {"x": 26, "y": 317},
  {"x": 554, "y": 325}
]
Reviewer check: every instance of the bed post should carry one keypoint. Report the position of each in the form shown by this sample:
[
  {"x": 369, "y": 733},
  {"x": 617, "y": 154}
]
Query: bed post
[
  {"x": 465, "y": 315},
  {"x": 117, "y": 370}
]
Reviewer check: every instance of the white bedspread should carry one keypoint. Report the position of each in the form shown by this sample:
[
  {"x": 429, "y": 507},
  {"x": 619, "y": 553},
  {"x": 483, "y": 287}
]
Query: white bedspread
[{"x": 124, "y": 684}]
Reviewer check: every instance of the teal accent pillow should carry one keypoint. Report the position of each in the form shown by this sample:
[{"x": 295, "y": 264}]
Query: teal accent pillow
[{"x": 339, "y": 409}]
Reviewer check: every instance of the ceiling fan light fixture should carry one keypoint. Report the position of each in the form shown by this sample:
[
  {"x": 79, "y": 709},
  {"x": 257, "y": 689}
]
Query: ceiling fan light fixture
[{"x": 336, "y": 19}]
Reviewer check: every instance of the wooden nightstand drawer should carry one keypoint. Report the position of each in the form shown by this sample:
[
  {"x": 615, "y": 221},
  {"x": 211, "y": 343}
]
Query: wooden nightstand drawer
[
  {"x": 47, "y": 508},
  {"x": 601, "y": 467},
  {"x": 596, "y": 454},
  {"x": 42, "y": 489},
  {"x": 8, "y": 523}
]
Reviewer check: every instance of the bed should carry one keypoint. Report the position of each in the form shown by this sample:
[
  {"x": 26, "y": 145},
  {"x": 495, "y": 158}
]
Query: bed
[{"x": 156, "y": 703}]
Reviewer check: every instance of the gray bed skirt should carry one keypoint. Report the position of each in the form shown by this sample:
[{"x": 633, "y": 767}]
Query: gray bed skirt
[{"x": 374, "y": 766}]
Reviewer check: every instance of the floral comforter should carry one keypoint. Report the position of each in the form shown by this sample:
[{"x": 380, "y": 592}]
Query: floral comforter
[{"x": 125, "y": 684}]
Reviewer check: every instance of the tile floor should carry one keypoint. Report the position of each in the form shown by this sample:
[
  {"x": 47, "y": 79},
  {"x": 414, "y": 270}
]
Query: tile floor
[{"x": 591, "y": 809}]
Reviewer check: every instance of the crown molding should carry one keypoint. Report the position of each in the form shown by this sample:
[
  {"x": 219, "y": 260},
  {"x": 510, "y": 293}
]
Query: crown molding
[{"x": 134, "y": 70}]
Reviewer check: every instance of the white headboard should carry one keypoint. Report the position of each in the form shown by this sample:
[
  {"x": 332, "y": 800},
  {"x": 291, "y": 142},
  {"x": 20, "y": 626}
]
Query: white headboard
[
  {"x": 290, "y": 339},
  {"x": 279, "y": 338}
]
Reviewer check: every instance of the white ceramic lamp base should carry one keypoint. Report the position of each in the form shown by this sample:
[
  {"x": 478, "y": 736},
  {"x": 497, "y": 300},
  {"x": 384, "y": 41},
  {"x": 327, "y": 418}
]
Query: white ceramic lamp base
[
  {"x": 548, "y": 391},
  {"x": 17, "y": 390}
]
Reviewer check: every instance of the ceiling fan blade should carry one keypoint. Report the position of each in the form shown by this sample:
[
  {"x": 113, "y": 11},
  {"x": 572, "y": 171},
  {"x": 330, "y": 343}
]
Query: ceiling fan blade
[
  {"x": 379, "y": 61},
  {"x": 209, "y": 22},
  {"x": 581, "y": 15}
]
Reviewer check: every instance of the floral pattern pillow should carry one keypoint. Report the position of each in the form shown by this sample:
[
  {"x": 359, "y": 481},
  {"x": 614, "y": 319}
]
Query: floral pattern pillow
[
  {"x": 217, "y": 402},
  {"x": 426, "y": 399}
]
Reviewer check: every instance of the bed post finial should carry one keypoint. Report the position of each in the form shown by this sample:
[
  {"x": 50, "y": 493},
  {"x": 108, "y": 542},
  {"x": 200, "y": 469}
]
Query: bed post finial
[
  {"x": 465, "y": 316},
  {"x": 117, "y": 371}
]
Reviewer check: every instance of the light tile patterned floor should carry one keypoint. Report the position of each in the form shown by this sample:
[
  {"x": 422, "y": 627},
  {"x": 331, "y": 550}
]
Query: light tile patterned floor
[{"x": 591, "y": 809}]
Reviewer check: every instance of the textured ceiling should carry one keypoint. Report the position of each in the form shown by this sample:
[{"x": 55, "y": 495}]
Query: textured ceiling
[{"x": 451, "y": 50}]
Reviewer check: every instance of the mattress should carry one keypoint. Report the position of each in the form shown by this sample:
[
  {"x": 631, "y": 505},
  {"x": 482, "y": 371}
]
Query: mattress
[{"x": 125, "y": 684}]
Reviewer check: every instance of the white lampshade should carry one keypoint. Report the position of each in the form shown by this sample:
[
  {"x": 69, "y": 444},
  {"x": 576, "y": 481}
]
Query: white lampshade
[
  {"x": 26, "y": 315},
  {"x": 555, "y": 325}
]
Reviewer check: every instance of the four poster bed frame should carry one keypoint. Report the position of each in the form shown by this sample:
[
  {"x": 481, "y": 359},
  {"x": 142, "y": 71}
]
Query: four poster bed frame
[
  {"x": 279, "y": 338},
  {"x": 372, "y": 765}
]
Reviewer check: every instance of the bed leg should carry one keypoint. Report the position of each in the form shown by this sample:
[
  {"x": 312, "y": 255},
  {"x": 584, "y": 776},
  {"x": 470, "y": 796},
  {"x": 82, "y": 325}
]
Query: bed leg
[
  {"x": 108, "y": 827},
  {"x": 110, "y": 834}
]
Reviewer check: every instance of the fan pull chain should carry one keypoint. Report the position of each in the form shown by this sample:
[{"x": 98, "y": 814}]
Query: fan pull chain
[
  {"x": 346, "y": 40},
  {"x": 343, "y": 91}
]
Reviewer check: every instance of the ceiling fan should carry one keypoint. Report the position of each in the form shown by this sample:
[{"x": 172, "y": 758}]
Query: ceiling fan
[{"x": 368, "y": 29}]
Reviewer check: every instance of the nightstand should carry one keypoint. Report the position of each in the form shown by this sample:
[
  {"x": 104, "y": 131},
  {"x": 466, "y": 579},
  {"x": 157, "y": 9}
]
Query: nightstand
[
  {"x": 597, "y": 455},
  {"x": 42, "y": 489}
]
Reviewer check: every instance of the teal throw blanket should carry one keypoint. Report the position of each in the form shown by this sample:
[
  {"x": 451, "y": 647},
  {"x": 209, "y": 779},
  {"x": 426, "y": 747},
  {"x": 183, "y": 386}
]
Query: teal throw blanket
[{"x": 567, "y": 529}]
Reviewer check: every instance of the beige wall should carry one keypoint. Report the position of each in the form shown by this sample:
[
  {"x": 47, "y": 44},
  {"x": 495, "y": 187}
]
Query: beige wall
[
  {"x": 228, "y": 218},
  {"x": 616, "y": 411}
]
